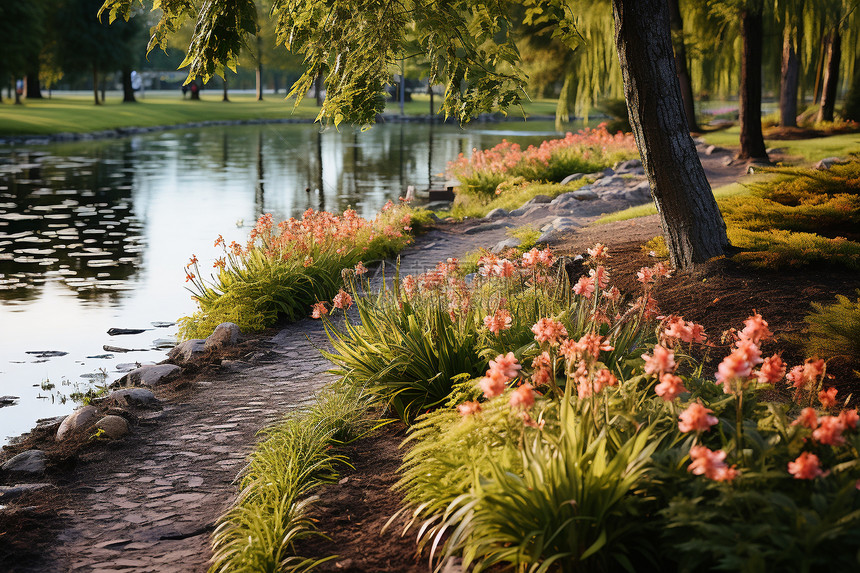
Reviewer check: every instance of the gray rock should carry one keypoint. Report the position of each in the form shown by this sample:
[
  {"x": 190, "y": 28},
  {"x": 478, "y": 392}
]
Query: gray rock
[
  {"x": 225, "y": 334},
  {"x": 628, "y": 166},
  {"x": 135, "y": 397},
  {"x": 496, "y": 213},
  {"x": 713, "y": 150},
  {"x": 129, "y": 366},
  {"x": 7, "y": 400},
  {"x": 29, "y": 462},
  {"x": 169, "y": 342},
  {"x": 114, "y": 427},
  {"x": 509, "y": 243},
  {"x": 775, "y": 150},
  {"x": 80, "y": 419},
  {"x": 520, "y": 212},
  {"x": 638, "y": 195},
  {"x": 162, "y": 324},
  {"x": 185, "y": 351},
  {"x": 565, "y": 223},
  {"x": 553, "y": 235},
  {"x": 487, "y": 227},
  {"x": 123, "y": 331},
  {"x": 572, "y": 178},
  {"x": 585, "y": 194},
  {"x": 46, "y": 353},
  {"x": 609, "y": 180},
  {"x": 728, "y": 160},
  {"x": 608, "y": 171},
  {"x": 10, "y": 492},
  {"x": 150, "y": 375},
  {"x": 829, "y": 162},
  {"x": 435, "y": 218},
  {"x": 538, "y": 199}
]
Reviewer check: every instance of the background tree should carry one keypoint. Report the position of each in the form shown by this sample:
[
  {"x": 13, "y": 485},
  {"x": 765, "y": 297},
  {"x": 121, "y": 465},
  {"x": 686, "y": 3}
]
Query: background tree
[{"x": 21, "y": 27}]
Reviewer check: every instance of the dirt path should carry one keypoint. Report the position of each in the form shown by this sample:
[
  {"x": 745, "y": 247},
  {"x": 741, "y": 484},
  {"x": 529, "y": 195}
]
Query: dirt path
[{"x": 149, "y": 501}]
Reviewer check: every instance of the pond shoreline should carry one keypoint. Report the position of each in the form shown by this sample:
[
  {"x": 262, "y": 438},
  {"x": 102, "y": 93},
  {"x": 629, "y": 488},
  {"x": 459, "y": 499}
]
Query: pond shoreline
[{"x": 120, "y": 132}]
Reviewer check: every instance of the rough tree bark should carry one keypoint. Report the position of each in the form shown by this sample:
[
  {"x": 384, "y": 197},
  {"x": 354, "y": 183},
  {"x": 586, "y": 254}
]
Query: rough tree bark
[
  {"x": 224, "y": 97},
  {"x": 259, "y": 68},
  {"x": 127, "y": 89},
  {"x": 692, "y": 224},
  {"x": 752, "y": 140},
  {"x": 34, "y": 88},
  {"x": 318, "y": 90},
  {"x": 790, "y": 80},
  {"x": 677, "y": 27},
  {"x": 831, "y": 76}
]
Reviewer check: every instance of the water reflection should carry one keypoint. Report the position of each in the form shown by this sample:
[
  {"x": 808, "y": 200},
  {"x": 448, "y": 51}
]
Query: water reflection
[{"x": 94, "y": 235}]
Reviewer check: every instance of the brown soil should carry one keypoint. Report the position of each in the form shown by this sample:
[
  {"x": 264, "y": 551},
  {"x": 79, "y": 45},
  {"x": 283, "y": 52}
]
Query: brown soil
[{"x": 794, "y": 133}]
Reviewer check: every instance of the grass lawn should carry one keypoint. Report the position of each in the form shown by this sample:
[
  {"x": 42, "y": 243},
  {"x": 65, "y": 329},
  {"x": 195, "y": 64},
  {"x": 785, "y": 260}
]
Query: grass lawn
[
  {"x": 77, "y": 114},
  {"x": 809, "y": 149}
]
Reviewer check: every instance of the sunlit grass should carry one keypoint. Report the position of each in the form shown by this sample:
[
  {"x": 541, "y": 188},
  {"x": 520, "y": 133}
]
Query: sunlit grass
[{"x": 808, "y": 150}]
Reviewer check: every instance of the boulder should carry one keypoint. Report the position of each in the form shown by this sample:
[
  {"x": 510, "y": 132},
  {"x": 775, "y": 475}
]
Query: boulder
[
  {"x": 629, "y": 166},
  {"x": 80, "y": 419},
  {"x": 713, "y": 150},
  {"x": 29, "y": 462},
  {"x": 135, "y": 397},
  {"x": 185, "y": 351},
  {"x": 584, "y": 194},
  {"x": 225, "y": 334},
  {"x": 572, "y": 178},
  {"x": 114, "y": 427},
  {"x": 496, "y": 213},
  {"x": 150, "y": 375},
  {"x": 829, "y": 162},
  {"x": 509, "y": 243},
  {"x": 538, "y": 200},
  {"x": 10, "y": 492}
]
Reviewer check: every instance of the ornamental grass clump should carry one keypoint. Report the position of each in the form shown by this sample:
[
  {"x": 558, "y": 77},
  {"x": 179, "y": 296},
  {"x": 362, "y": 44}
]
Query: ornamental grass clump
[
  {"x": 285, "y": 267},
  {"x": 598, "y": 446},
  {"x": 586, "y": 151}
]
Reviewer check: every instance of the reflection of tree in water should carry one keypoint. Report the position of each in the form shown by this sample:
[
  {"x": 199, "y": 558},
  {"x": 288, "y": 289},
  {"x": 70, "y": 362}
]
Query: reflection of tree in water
[{"x": 68, "y": 219}]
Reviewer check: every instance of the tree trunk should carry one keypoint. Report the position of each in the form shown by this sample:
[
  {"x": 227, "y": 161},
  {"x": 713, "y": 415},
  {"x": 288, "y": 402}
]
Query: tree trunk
[
  {"x": 677, "y": 27},
  {"x": 816, "y": 93},
  {"x": 318, "y": 90},
  {"x": 96, "y": 83},
  {"x": 430, "y": 91},
  {"x": 224, "y": 97},
  {"x": 790, "y": 78},
  {"x": 831, "y": 76},
  {"x": 33, "y": 87},
  {"x": 752, "y": 140},
  {"x": 691, "y": 221},
  {"x": 852, "y": 101},
  {"x": 104, "y": 86},
  {"x": 127, "y": 89},
  {"x": 259, "y": 69}
]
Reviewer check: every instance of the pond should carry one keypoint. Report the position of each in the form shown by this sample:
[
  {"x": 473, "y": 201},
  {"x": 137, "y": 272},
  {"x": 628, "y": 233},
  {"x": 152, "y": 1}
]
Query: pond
[{"x": 95, "y": 235}]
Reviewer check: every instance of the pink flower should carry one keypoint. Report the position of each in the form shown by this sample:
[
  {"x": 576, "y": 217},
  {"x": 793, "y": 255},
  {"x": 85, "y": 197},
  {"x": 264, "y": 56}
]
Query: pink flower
[
  {"x": 808, "y": 373},
  {"x": 505, "y": 366},
  {"x": 738, "y": 364},
  {"x": 670, "y": 387},
  {"x": 542, "y": 365},
  {"x": 498, "y": 322},
  {"x": 584, "y": 287},
  {"x": 523, "y": 396},
  {"x": 319, "y": 310},
  {"x": 806, "y": 466},
  {"x": 360, "y": 269},
  {"x": 600, "y": 276},
  {"x": 537, "y": 257},
  {"x": 588, "y": 347},
  {"x": 646, "y": 275},
  {"x": 598, "y": 252},
  {"x": 772, "y": 370},
  {"x": 549, "y": 331},
  {"x": 827, "y": 397},
  {"x": 410, "y": 286},
  {"x": 684, "y": 331},
  {"x": 662, "y": 361},
  {"x": 662, "y": 270},
  {"x": 468, "y": 408},
  {"x": 613, "y": 294},
  {"x": 755, "y": 329},
  {"x": 492, "y": 387},
  {"x": 710, "y": 464},
  {"x": 829, "y": 431},
  {"x": 696, "y": 418},
  {"x": 808, "y": 417},
  {"x": 342, "y": 300},
  {"x": 849, "y": 418}
]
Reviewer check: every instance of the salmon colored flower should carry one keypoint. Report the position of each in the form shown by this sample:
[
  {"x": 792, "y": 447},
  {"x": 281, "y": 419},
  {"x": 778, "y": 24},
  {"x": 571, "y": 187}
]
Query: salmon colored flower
[
  {"x": 661, "y": 361},
  {"x": 189, "y": 276},
  {"x": 806, "y": 374},
  {"x": 827, "y": 397},
  {"x": 220, "y": 263},
  {"x": 549, "y": 331},
  {"x": 542, "y": 365},
  {"x": 710, "y": 464},
  {"x": 505, "y": 366},
  {"x": 523, "y": 396},
  {"x": 598, "y": 252},
  {"x": 499, "y": 321},
  {"x": 661, "y": 270},
  {"x": 646, "y": 275},
  {"x": 755, "y": 329},
  {"x": 679, "y": 329},
  {"x": 808, "y": 417},
  {"x": 696, "y": 418},
  {"x": 469, "y": 408},
  {"x": 829, "y": 431},
  {"x": 670, "y": 387},
  {"x": 806, "y": 466},
  {"x": 318, "y": 310},
  {"x": 342, "y": 300},
  {"x": 772, "y": 370},
  {"x": 584, "y": 287},
  {"x": 613, "y": 294},
  {"x": 492, "y": 387},
  {"x": 360, "y": 269},
  {"x": 192, "y": 261},
  {"x": 219, "y": 241},
  {"x": 849, "y": 418},
  {"x": 600, "y": 276}
]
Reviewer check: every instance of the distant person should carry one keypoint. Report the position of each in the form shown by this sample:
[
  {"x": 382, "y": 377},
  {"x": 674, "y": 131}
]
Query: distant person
[{"x": 184, "y": 91}]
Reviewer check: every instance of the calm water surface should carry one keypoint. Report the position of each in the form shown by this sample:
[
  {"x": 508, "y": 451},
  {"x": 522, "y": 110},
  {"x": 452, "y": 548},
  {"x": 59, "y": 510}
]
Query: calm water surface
[{"x": 95, "y": 235}]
